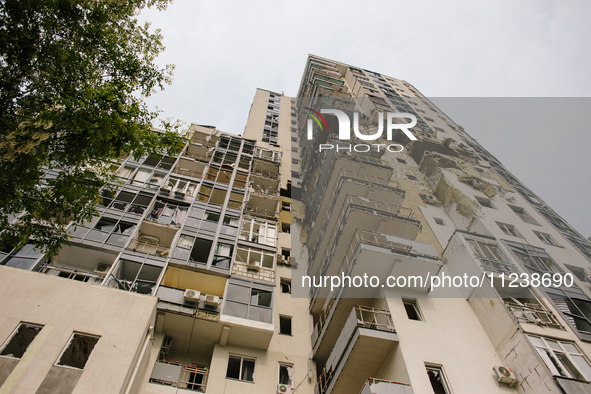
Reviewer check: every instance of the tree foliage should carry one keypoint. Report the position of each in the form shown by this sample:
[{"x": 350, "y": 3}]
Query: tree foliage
[{"x": 73, "y": 77}]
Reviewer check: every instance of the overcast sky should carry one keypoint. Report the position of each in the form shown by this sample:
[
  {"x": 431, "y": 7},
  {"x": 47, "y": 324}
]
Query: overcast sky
[{"x": 224, "y": 50}]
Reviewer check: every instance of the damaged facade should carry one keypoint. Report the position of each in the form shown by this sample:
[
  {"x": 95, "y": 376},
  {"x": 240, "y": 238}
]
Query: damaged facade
[{"x": 184, "y": 281}]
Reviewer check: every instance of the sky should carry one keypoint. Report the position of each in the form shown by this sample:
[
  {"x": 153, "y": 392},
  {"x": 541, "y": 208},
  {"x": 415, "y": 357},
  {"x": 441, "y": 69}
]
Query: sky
[{"x": 224, "y": 50}]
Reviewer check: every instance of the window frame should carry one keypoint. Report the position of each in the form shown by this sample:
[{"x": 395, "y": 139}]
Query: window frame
[
  {"x": 413, "y": 302},
  {"x": 70, "y": 341},
  {"x": 509, "y": 229},
  {"x": 290, "y": 320},
  {"x": 242, "y": 359},
  {"x": 15, "y": 333},
  {"x": 441, "y": 371},
  {"x": 550, "y": 363}
]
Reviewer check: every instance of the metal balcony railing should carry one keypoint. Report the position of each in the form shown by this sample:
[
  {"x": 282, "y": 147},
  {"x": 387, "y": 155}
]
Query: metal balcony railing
[
  {"x": 401, "y": 212},
  {"x": 260, "y": 212},
  {"x": 360, "y": 317},
  {"x": 532, "y": 313},
  {"x": 144, "y": 245},
  {"x": 190, "y": 376},
  {"x": 266, "y": 174}
]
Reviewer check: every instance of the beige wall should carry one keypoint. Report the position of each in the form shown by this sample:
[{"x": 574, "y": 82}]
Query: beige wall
[{"x": 63, "y": 306}]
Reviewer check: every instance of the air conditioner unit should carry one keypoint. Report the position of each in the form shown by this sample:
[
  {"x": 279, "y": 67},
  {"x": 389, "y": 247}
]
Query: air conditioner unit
[
  {"x": 211, "y": 300},
  {"x": 165, "y": 190},
  {"x": 179, "y": 194},
  {"x": 505, "y": 375},
  {"x": 291, "y": 260},
  {"x": 284, "y": 389},
  {"x": 102, "y": 269},
  {"x": 192, "y": 295},
  {"x": 253, "y": 265}
]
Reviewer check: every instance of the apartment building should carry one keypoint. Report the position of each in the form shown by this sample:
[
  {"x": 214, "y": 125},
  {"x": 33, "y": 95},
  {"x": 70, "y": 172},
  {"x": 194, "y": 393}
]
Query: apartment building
[{"x": 191, "y": 276}]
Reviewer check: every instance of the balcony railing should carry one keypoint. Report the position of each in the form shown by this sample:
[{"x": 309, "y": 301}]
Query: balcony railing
[
  {"x": 533, "y": 313},
  {"x": 360, "y": 317},
  {"x": 267, "y": 193},
  {"x": 370, "y": 238},
  {"x": 261, "y": 212},
  {"x": 268, "y": 155},
  {"x": 190, "y": 377},
  {"x": 149, "y": 246},
  {"x": 173, "y": 299},
  {"x": 403, "y": 213},
  {"x": 266, "y": 174}
]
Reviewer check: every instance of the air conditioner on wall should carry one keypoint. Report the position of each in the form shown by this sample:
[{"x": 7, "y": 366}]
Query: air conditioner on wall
[
  {"x": 192, "y": 295},
  {"x": 284, "y": 389},
  {"x": 211, "y": 300},
  {"x": 102, "y": 269},
  {"x": 505, "y": 375}
]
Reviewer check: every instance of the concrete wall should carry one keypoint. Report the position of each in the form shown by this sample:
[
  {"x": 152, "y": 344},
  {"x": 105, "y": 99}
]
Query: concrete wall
[{"x": 63, "y": 306}]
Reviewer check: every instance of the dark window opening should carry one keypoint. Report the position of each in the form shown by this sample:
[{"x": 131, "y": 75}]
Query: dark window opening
[
  {"x": 20, "y": 341},
  {"x": 285, "y": 325},
  {"x": 78, "y": 351}
]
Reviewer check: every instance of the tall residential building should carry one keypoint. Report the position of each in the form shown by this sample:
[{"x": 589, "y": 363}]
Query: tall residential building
[{"x": 202, "y": 271}]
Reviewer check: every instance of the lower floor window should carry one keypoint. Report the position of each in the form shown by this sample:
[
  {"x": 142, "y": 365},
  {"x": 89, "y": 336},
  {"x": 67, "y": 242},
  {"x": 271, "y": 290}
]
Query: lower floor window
[
  {"x": 562, "y": 358},
  {"x": 437, "y": 379},
  {"x": 286, "y": 374},
  {"x": 240, "y": 368}
]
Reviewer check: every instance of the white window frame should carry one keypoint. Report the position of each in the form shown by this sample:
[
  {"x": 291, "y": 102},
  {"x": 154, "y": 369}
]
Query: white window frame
[
  {"x": 444, "y": 380},
  {"x": 570, "y": 355},
  {"x": 291, "y": 375},
  {"x": 509, "y": 229}
]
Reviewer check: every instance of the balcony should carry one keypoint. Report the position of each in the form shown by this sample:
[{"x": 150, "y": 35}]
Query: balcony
[
  {"x": 381, "y": 386},
  {"x": 182, "y": 376},
  {"x": 154, "y": 239},
  {"x": 374, "y": 253},
  {"x": 189, "y": 168},
  {"x": 350, "y": 212},
  {"x": 533, "y": 313},
  {"x": 360, "y": 350}
]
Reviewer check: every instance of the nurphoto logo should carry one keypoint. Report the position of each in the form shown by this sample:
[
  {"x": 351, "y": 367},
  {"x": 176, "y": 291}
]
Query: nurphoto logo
[{"x": 344, "y": 123}]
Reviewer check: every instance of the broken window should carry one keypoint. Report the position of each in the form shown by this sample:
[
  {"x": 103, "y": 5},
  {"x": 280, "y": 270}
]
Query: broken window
[
  {"x": 490, "y": 256},
  {"x": 509, "y": 229},
  {"x": 20, "y": 340},
  {"x": 285, "y": 285},
  {"x": 111, "y": 231},
  {"x": 286, "y": 374},
  {"x": 255, "y": 257},
  {"x": 285, "y": 325},
  {"x": 437, "y": 379},
  {"x": 485, "y": 202},
  {"x": 78, "y": 350},
  {"x": 522, "y": 213},
  {"x": 165, "y": 212},
  {"x": 562, "y": 358},
  {"x": 222, "y": 256},
  {"x": 139, "y": 277},
  {"x": 534, "y": 259},
  {"x": 240, "y": 368},
  {"x": 285, "y": 227},
  {"x": 411, "y": 306},
  {"x": 201, "y": 249},
  {"x": 259, "y": 231},
  {"x": 546, "y": 238}
]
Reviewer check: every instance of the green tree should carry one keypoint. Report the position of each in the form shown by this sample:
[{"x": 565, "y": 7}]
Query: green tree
[{"x": 73, "y": 77}]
